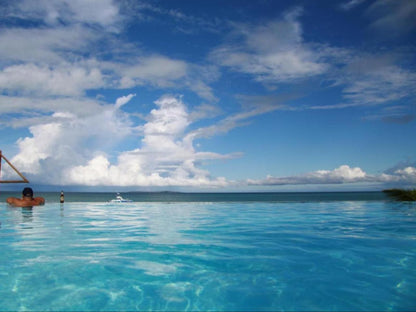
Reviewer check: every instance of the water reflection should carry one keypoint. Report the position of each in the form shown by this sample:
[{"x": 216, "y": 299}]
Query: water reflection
[
  {"x": 27, "y": 217},
  {"x": 406, "y": 208},
  {"x": 21, "y": 215},
  {"x": 27, "y": 214}
]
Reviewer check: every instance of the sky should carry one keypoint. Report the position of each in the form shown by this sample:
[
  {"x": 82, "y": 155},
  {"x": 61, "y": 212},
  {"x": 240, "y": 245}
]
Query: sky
[{"x": 209, "y": 95}]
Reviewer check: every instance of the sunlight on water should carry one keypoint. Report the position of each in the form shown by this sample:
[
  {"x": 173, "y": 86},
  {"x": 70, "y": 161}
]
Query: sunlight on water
[{"x": 346, "y": 255}]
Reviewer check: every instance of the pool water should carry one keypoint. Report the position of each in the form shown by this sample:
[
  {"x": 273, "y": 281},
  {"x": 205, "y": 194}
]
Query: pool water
[{"x": 222, "y": 256}]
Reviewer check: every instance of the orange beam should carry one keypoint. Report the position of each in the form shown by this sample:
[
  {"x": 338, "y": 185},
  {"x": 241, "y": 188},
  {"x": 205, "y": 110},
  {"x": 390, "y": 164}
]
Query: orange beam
[{"x": 24, "y": 180}]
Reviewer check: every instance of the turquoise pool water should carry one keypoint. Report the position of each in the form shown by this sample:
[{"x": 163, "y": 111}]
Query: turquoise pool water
[{"x": 96, "y": 256}]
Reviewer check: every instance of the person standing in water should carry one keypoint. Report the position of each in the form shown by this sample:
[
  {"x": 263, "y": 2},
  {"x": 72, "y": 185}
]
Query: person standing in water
[
  {"x": 62, "y": 198},
  {"x": 27, "y": 199}
]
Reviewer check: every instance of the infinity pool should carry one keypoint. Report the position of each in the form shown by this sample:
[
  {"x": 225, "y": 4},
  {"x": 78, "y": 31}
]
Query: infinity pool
[{"x": 338, "y": 255}]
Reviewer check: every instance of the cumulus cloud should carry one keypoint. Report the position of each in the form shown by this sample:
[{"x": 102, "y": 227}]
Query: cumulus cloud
[
  {"x": 67, "y": 148},
  {"x": 340, "y": 175},
  {"x": 165, "y": 157},
  {"x": 272, "y": 53},
  {"x": 407, "y": 174},
  {"x": 46, "y": 71},
  {"x": 64, "y": 139},
  {"x": 71, "y": 149},
  {"x": 343, "y": 174}
]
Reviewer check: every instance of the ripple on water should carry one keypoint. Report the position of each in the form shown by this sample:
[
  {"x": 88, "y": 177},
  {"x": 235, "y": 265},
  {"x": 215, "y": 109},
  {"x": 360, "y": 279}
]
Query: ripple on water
[{"x": 209, "y": 256}]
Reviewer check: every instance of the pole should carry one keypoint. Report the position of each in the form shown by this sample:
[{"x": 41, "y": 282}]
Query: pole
[
  {"x": 24, "y": 180},
  {"x": 1, "y": 156}
]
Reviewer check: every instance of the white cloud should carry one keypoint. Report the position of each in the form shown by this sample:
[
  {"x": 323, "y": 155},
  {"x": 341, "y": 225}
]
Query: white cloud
[
  {"x": 393, "y": 18},
  {"x": 272, "y": 53},
  {"x": 102, "y": 12},
  {"x": 236, "y": 120},
  {"x": 123, "y": 100},
  {"x": 95, "y": 12},
  {"x": 343, "y": 174},
  {"x": 45, "y": 74},
  {"x": 159, "y": 71},
  {"x": 66, "y": 148},
  {"x": 202, "y": 89},
  {"x": 37, "y": 110},
  {"x": 45, "y": 45},
  {"x": 65, "y": 57},
  {"x": 180, "y": 21},
  {"x": 71, "y": 149},
  {"x": 407, "y": 174},
  {"x": 340, "y": 175},
  {"x": 64, "y": 80},
  {"x": 276, "y": 52},
  {"x": 65, "y": 139},
  {"x": 351, "y": 4},
  {"x": 165, "y": 157},
  {"x": 38, "y": 148},
  {"x": 372, "y": 80},
  {"x": 204, "y": 111}
]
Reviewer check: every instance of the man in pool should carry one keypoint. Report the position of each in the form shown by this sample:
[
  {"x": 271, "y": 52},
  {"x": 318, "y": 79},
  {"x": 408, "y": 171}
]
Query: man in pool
[{"x": 27, "y": 199}]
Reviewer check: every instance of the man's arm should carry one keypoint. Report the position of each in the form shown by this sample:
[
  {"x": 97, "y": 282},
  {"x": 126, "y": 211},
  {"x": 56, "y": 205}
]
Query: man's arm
[
  {"x": 39, "y": 200},
  {"x": 11, "y": 200}
]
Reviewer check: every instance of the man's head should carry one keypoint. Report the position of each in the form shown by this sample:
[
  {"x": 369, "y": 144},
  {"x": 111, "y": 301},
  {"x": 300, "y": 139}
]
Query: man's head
[{"x": 27, "y": 192}]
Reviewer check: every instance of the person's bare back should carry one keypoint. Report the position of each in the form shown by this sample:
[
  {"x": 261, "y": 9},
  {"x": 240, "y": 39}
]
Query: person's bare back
[{"x": 27, "y": 199}]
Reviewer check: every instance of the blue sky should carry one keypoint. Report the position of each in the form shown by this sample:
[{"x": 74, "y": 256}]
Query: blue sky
[{"x": 209, "y": 95}]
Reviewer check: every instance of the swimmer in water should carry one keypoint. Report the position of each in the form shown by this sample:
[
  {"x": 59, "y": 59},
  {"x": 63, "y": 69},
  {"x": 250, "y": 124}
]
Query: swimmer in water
[{"x": 27, "y": 199}]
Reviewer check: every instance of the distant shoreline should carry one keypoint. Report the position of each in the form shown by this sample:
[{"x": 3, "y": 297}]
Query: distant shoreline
[
  {"x": 401, "y": 194},
  {"x": 171, "y": 196},
  {"x": 196, "y": 192}
]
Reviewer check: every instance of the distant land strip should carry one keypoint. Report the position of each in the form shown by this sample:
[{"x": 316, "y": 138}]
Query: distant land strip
[{"x": 400, "y": 194}]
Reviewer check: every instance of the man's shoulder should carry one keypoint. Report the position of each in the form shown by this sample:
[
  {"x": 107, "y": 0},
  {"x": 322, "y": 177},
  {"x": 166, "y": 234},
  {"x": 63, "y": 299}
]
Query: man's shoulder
[
  {"x": 39, "y": 200},
  {"x": 13, "y": 200},
  {"x": 17, "y": 202}
]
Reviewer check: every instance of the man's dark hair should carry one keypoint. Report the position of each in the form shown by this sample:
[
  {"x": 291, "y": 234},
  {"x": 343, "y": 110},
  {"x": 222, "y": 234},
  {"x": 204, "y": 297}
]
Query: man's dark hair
[{"x": 27, "y": 192}]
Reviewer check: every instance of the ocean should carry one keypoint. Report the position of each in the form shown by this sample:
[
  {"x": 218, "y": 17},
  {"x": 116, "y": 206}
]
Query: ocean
[
  {"x": 210, "y": 252},
  {"x": 53, "y": 197}
]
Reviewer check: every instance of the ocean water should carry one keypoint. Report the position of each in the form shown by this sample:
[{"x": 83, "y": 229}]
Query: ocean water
[{"x": 326, "y": 252}]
